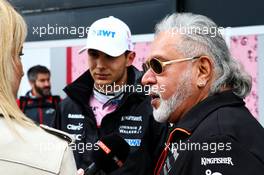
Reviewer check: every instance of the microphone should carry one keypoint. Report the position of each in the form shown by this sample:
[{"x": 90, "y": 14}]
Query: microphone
[{"x": 111, "y": 155}]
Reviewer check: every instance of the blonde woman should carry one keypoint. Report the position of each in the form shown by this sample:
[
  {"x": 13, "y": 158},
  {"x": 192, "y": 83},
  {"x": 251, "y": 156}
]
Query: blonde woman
[{"x": 25, "y": 148}]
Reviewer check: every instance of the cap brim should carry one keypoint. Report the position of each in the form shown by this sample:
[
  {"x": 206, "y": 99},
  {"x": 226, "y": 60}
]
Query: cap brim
[{"x": 109, "y": 49}]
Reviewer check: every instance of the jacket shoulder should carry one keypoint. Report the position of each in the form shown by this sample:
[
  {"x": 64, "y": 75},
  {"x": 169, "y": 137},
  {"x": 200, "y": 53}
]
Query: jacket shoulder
[
  {"x": 35, "y": 145},
  {"x": 60, "y": 134}
]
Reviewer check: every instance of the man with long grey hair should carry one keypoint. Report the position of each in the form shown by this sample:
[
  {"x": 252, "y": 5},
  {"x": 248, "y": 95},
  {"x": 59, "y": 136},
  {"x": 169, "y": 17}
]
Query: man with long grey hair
[{"x": 203, "y": 91}]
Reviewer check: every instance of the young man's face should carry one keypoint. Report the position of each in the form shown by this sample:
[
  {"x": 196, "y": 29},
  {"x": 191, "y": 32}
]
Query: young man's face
[
  {"x": 108, "y": 70},
  {"x": 41, "y": 87}
]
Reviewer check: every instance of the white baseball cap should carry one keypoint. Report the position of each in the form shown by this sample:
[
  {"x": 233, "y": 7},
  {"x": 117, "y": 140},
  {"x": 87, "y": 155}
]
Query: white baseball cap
[{"x": 109, "y": 35}]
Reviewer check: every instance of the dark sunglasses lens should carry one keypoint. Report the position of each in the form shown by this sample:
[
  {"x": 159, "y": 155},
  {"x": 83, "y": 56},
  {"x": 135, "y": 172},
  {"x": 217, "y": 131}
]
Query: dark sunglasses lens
[{"x": 156, "y": 66}]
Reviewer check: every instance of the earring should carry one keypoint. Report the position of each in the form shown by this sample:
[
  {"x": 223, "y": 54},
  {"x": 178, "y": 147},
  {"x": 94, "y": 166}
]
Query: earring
[{"x": 201, "y": 84}]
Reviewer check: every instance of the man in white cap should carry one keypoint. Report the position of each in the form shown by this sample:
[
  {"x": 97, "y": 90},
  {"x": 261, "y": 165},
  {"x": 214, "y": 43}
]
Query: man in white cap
[{"x": 99, "y": 102}]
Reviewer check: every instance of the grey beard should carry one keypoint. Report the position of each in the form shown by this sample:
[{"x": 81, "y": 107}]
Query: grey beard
[{"x": 167, "y": 107}]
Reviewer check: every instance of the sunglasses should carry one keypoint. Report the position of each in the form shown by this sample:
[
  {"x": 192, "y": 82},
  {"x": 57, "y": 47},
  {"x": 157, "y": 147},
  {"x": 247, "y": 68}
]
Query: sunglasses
[{"x": 158, "y": 66}]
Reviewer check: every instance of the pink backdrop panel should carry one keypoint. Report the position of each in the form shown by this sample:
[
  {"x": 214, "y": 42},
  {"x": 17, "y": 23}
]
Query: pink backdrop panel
[
  {"x": 142, "y": 50},
  {"x": 244, "y": 49},
  {"x": 79, "y": 62}
]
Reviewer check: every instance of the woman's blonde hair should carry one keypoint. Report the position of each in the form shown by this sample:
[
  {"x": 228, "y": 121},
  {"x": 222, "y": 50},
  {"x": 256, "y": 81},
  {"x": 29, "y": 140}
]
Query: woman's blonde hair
[{"x": 12, "y": 35}]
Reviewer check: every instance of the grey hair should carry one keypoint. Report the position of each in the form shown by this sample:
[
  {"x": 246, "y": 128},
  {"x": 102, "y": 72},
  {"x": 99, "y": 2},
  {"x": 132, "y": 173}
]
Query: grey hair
[{"x": 198, "y": 39}]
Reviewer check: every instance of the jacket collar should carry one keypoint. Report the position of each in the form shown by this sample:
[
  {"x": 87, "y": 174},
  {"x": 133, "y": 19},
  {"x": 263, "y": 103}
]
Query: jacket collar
[
  {"x": 186, "y": 126},
  {"x": 81, "y": 89},
  {"x": 199, "y": 112}
]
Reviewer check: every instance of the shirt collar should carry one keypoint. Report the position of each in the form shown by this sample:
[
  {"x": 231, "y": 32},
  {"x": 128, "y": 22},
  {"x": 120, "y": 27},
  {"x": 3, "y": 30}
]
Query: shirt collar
[{"x": 108, "y": 99}]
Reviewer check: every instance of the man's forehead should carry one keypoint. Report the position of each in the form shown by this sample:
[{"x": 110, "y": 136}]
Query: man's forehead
[{"x": 43, "y": 75}]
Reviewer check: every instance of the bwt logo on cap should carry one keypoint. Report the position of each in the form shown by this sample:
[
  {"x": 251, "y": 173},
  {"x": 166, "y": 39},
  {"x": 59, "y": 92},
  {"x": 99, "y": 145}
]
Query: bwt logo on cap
[{"x": 104, "y": 33}]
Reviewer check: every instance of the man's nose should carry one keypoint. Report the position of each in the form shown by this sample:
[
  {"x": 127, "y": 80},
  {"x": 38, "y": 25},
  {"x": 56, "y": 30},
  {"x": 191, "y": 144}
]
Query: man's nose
[
  {"x": 47, "y": 83},
  {"x": 149, "y": 78},
  {"x": 100, "y": 62}
]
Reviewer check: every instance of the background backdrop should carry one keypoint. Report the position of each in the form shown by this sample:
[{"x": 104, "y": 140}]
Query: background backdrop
[{"x": 61, "y": 57}]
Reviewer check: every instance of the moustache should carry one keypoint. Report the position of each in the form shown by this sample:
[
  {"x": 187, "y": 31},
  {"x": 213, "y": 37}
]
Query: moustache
[{"x": 48, "y": 88}]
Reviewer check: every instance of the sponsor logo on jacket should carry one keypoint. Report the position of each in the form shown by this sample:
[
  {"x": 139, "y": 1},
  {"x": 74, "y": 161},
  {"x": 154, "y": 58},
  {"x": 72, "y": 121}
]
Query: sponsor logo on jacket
[
  {"x": 133, "y": 142},
  {"x": 75, "y": 127},
  {"x": 50, "y": 111},
  {"x": 77, "y": 137},
  {"x": 132, "y": 118},
  {"x": 76, "y": 116},
  {"x": 216, "y": 160},
  {"x": 209, "y": 172},
  {"x": 123, "y": 129}
]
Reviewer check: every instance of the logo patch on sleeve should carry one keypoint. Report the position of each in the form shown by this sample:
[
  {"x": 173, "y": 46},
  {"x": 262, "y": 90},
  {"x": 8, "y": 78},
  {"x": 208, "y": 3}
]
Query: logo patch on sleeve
[{"x": 216, "y": 160}]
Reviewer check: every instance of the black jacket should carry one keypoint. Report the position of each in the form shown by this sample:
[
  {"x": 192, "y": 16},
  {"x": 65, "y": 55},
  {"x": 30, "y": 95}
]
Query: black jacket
[
  {"x": 218, "y": 136},
  {"x": 132, "y": 120},
  {"x": 40, "y": 110}
]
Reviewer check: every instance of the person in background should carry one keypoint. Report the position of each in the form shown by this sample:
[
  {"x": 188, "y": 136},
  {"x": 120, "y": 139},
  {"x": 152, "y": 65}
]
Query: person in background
[
  {"x": 38, "y": 103},
  {"x": 104, "y": 100},
  {"x": 25, "y": 149},
  {"x": 214, "y": 133}
]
